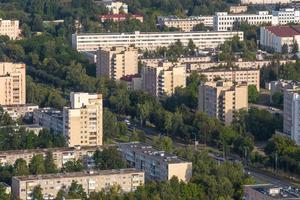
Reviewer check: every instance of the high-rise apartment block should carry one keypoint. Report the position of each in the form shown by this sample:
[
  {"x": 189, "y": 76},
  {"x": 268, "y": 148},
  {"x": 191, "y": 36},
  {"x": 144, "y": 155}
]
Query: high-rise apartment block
[
  {"x": 82, "y": 121},
  {"x": 157, "y": 165},
  {"x": 92, "y": 181},
  {"x": 220, "y": 99},
  {"x": 291, "y": 114},
  {"x": 117, "y": 62},
  {"x": 10, "y": 28},
  {"x": 163, "y": 78},
  {"x": 12, "y": 83}
]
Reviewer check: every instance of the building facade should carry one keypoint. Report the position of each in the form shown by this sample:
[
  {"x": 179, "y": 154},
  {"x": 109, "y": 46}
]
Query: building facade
[
  {"x": 157, "y": 165},
  {"x": 121, "y": 17},
  {"x": 221, "y": 99},
  {"x": 249, "y": 76},
  {"x": 117, "y": 62},
  {"x": 151, "y": 41},
  {"x": 185, "y": 24},
  {"x": 49, "y": 118},
  {"x": 83, "y": 120},
  {"x": 246, "y": 2},
  {"x": 163, "y": 78},
  {"x": 238, "y": 9},
  {"x": 116, "y": 7},
  {"x": 12, "y": 83},
  {"x": 134, "y": 82},
  {"x": 10, "y": 28},
  {"x": 275, "y": 37},
  {"x": 92, "y": 181},
  {"x": 291, "y": 114},
  {"x": 60, "y": 155}
]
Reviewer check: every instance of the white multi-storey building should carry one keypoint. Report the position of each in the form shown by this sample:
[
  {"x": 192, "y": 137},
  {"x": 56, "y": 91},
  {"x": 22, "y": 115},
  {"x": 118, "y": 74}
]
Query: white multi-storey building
[
  {"x": 225, "y": 22},
  {"x": 245, "y": 2},
  {"x": 285, "y": 16},
  {"x": 151, "y": 41},
  {"x": 291, "y": 114},
  {"x": 185, "y": 24}
]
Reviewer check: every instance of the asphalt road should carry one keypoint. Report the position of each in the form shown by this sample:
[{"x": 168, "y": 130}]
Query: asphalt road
[{"x": 267, "y": 108}]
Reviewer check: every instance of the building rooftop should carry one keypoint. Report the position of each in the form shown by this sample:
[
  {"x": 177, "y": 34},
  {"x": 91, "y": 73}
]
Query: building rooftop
[
  {"x": 284, "y": 31},
  {"x": 120, "y": 15},
  {"x": 130, "y": 77},
  {"x": 51, "y": 111},
  {"x": 277, "y": 192},
  {"x": 77, "y": 174},
  {"x": 149, "y": 151}
]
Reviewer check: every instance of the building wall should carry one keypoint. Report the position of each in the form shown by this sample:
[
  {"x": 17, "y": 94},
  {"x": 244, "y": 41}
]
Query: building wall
[
  {"x": 12, "y": 83},
  {"x": 60, "y": 155},
  {"x": 220, "y": 99},
  {"x": 117, "y": 62},
  {"x": 49, "y": 118},
  {"x": 83, "y": 121},
  {"x": 10, "y": 28},
  {"x": 127, "y": 179},
  {"x": 182, "y": 171},
  {"x": 117, "y": 7},
  {"x": 151, "y": 41},
  {"x": 17, "y": 111},
  {"x": 265, "y": 1}
]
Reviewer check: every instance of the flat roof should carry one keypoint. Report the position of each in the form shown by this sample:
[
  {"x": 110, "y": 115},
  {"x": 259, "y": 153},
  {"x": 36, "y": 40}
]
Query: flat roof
[
  {"x": 77, "y": 174},
  {"x": 149, "y": 151},
  {"x": 283, "y": 192}
]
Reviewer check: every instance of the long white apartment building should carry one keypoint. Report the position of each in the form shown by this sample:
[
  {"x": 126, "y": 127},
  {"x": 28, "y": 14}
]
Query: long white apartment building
[
  {"x": 10, "y": 28},
  {"x": 151, "y": 40},
  {"x": 246, "y": 2},
  {"x": 185, "y": 24},
  {"x": 224, "y": 21},
  {"x": 291, "y": 114}
]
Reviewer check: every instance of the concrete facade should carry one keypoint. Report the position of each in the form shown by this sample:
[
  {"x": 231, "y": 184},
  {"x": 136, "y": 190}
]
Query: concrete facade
[
  {"x": 220, "y": 99},
  {"x": 117, "y": 62},
  {"x": 157, "y": 165},
  {"x": 12, "y": 83},
  {"x": 10, "y": 28},
  {"x": 83, "y": 120},
  {"x": 49, "y": 118},
  {"x": 92, "y": 181}
]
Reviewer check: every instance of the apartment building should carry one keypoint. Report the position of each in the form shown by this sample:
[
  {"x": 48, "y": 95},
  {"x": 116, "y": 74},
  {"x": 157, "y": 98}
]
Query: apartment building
[
  {"x": 115, "y": 7},
  {"x": 249, "y": 76},
  {"x": 92, "y": 181},
  {"x": 185, "y": 24},
  {"x": 49, "y": 118},
  {"x": 183, "y": 60},
  {"x": 163, "y": 78},
  {"x": 12, "y": 83},
  {"x": 10, "y": 28},
  {"x": 246, "y": 2},
  {"x": 225, "y": 22},
  {"x": 60, "y": 155},
  {"x": 134, "y": 82},
  {"x": 282, "y": 85},
  {"x": 274, "y": 37},
  {"x": 238, "y": 9},
  {"x": 157, "y": 165},
  {"x": 240, "y": 64},
  {"x": 83, "y": 120},
  {"x": 221, "y": 99},
  {"x": 19, "y": 111},
  {"x": 151, "y": 40},
  {"x": 291, "y": 113},
  {"x": 121, "y": 17},
  {"x": 117, "y": 62},
  {"x": 270, "y": 192},
  {"x": 285, "y": 16}
]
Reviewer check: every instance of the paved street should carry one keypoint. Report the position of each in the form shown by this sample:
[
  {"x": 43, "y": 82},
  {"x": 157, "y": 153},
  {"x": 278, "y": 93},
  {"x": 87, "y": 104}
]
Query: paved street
[{"x": 267, "y": 108}]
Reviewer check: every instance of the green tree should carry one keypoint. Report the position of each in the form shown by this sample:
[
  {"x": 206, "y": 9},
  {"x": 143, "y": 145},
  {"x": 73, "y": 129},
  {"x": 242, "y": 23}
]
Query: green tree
[
  {"x": 295, "y": 48},
  {"x": 253, "y": 94},
  {"x": 37, "y": 193},
  {"x": 49, "y": 163},
  {"x": 164, "y": 143},
  {"x": 76, "y": 191},
  {"x": 36, "y": 165},
  {"x": 73, "y": 166},
  {"x": 108, "y": 158},
  {"x": 20, "y": 168},
  {"x": 3, "y": 194},
  {"x": 285, "y": 49}
]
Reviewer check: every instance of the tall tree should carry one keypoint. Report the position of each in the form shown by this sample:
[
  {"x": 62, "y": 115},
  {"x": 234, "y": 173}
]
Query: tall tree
[
  {"x": 20, "y": 168},
  {"x": 37, "y": 193},
  {"x": 76, "y": 191},
  {"x": 49, "y": 163},
  {"x": 36, "y": 165}
]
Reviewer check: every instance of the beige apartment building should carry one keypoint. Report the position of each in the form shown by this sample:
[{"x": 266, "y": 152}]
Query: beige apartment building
[
  {"x": 17, "y": 111},
  {"x": 60, "y": 155},
  {"x": 163, "y": 78},
  {"x": 83, "y": 120},
  {"x": 12, "y": 83},
  {"x": 117, "y": 62},
  {"x": 91, "y": 181},
  {"x": 157, "y": 165},
  {"x": 10, "y": 28},
  {"x": 221, "y": 98},
  {"x": 250, "y": 76}
]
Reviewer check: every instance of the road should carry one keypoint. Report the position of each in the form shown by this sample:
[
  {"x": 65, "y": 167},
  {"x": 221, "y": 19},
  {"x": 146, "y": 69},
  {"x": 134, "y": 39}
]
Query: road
[{"x": 267, "y": 108}]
